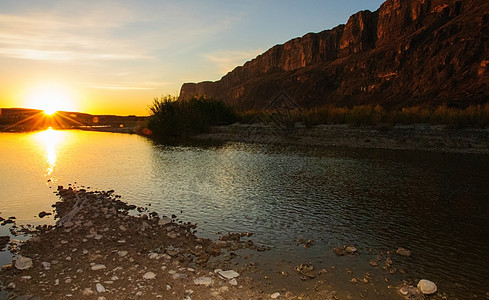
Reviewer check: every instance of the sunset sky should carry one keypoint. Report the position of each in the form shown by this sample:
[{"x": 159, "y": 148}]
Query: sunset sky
[{"x": 114, "y": 57}]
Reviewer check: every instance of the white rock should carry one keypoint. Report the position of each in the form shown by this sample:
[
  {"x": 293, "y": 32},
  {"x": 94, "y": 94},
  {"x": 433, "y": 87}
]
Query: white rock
[
  {"x": 275, "y": 295},
  {"x": 164, "y": 221},
  {"x": 122, "y": 253},
  {"x": 153, "y": 255},
  {"x": 46, "y": 265},
  {"x": 351, "y": 249},
  {"x": 149, "y": 275},
  {"x": 207, "y": 281},
  {"x": 100, "y": 288},
  {"x": 168, "y": 287},
  {"x": 98, "y": 267},
  {"x": 23, "y": 263},
  {"x": 427, "y": 287},
  {"x": 229, "y": 274},
  {"x": 233, "y": 282}
]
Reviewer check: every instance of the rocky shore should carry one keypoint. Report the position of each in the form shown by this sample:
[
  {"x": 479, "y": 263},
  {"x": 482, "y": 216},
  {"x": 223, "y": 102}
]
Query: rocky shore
[
  {"x": 408, "y": 137},
  {"x": 103, "y": 248}
]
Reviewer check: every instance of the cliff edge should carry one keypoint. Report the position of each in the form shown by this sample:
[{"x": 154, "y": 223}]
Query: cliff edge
[{"x": 408, "y": 52}]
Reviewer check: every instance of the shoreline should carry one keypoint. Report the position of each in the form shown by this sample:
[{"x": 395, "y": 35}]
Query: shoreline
[
  {"x": 99, "y": 248},
  {"x": 104, "y": 248},
  {"x": 435, "y": 138}
]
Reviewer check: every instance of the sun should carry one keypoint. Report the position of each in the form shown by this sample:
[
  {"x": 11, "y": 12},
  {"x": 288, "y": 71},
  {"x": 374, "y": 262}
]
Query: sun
[{"x": 50, "y": 98}]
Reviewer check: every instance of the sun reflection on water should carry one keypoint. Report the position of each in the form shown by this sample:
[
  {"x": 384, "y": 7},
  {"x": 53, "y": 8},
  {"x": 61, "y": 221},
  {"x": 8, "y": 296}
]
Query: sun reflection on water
[{"x": 50, "y": 140}]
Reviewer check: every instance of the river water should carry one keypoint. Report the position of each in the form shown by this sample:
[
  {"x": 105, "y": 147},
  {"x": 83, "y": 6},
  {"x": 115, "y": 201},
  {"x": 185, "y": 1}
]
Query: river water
[{"x": 434, "y": 204}]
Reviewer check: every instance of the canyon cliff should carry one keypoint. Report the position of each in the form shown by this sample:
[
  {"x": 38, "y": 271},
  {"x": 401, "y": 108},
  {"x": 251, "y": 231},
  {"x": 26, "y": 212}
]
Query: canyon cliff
[{"x": 408, "y": 52}]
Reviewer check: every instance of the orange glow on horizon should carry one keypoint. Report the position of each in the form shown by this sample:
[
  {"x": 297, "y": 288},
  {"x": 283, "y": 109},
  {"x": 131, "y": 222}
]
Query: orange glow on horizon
[{"x": 50, "y": 98}]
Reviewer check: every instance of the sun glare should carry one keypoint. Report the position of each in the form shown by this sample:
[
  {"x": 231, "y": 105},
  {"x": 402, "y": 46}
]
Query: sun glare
[{"x": 51, "y": 98}]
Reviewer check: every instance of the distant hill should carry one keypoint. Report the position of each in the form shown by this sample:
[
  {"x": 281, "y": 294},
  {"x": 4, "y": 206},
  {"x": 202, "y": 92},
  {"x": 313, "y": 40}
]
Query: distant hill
[
  {"x": 26, "y": 119},
  {"x": 408, "y": 52}
]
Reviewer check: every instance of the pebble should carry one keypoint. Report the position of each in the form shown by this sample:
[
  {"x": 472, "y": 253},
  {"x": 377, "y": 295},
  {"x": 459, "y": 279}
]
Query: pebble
[
  {"x": 122, "y": 228},
  {"x": 68, "y": 224},
  {"x": 229, "y": 274},
  {"x": 171, "y": 235},
  {"x": 427, "y": 287},
  {"x": 23, "y": 263},
  {"x": 164, "y": 221},
  {"x": 403, "y": 252},
  {"x": 122, "y": 253},
  {"x": 98, "y": 267},
  {"x": 87, "y": 292},
  {"x": 207, "y": 281},
  {"x": 233, "y": 282},
  {"x": 46, "y": 265},
  {"x": 275, "y": 295},
  {"x": 100, "y": 288},
  {"x": 153, "y": 255},
  {"x": 351, "y": 249},
  {"x": 149, "y": 275},
  {"x": 179, "y": 276}
]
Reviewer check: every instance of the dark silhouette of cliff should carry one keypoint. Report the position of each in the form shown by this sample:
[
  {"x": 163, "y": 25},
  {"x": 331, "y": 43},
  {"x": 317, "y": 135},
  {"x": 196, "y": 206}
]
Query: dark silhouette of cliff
[{"x": 408, "y": 52}]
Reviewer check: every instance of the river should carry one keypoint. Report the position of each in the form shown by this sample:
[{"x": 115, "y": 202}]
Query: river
[{"x": 434, "y": 204}]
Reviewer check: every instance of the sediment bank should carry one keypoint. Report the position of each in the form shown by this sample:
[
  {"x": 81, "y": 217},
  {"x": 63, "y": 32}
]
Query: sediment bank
[{"x": 409, "y": 137}]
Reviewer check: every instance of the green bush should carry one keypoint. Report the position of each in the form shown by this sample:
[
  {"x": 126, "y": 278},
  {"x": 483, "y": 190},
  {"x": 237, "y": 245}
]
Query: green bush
[{"x": 173, "y": 118}]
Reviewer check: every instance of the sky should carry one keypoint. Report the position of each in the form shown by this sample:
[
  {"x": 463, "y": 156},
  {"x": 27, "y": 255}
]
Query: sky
[{"x": 116, "y": 56}]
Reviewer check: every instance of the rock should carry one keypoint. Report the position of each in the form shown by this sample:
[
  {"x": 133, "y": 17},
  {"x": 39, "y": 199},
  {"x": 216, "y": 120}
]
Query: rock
[
  {"x": 122, "y": 253},
  {"x": 171, "y": 235},
  {"x": 351, "y": 250},
  {"x": 68, "y": 224},
  {"x": 87, "y": 292},
  {"x": 229, "y": 274},
  {"x": 42, "y": 214},
  {"x": 149, "y": 275},
  {"x": 122, "y": 228},
  {"x": 163, "y": 221},
  {"x": 4, "y": 240},
  {"x": 373, "y": 263},
  {"x": 23, "y": 263},
  {"x": 153, "y": 255},
  {"x": 100, "y": 288},
  {"x": 207, "y": 281},
  {"x": 97, "y": 267},
  {"x": 179, "y": 276},
  {"x": 233, "y": 282},
  {"x": 403, "y": 252},
  {"x": 275, "y": 295},
  {"x": 427, "y": 287},
  {"x": 46, "y": 265}
]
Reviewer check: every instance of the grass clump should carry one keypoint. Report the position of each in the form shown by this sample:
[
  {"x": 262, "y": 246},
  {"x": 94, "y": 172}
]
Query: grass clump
[{"x": 171, "y": 117}]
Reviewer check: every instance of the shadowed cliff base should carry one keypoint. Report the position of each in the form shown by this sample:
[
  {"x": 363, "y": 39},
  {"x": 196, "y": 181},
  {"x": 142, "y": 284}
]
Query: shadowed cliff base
[
  {"x": 423, "y": 137},
  {"x": 406, "y": 53}
]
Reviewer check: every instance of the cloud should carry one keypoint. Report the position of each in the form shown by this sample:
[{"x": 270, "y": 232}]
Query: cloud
[
  {"x": 121, "y": 86},
  {"x": 228, "y": 60}
]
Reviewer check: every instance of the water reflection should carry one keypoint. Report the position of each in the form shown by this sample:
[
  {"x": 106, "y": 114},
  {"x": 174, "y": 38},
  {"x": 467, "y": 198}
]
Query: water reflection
[{"x": 50, "y": 140}]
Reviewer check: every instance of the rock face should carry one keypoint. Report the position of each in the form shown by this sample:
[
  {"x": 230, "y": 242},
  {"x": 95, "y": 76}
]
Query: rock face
[{"x": 408, "y": 52}]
